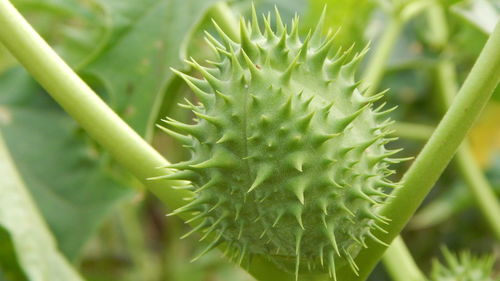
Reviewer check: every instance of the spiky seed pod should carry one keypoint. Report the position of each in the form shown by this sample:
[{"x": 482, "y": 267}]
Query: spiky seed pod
[
  {"x": 463, "y": 267},
  {"x": 288, "y": 157}
]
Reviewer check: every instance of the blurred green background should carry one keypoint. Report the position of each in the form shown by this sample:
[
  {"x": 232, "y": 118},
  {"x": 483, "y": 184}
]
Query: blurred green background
[{"x": 102, "y": 220}]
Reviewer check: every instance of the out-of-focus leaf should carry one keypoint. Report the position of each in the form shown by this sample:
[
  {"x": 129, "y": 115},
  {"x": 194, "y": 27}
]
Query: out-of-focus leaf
[
  {"x": 148, "y": 37},
  {"x": 484, "y": 14},
  {"x": 352, "y": 17},
  {"x": 64, "y": 173},
  {"x": 6, "y": 60},
  {"x": 74, "y": 28},
  {"x": 36, "y": 248}
]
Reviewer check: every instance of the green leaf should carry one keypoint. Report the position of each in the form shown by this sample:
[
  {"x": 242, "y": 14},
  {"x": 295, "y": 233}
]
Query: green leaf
[
  {"x": 68, "y": 177},
  {"x": 76, "y": 29},
  {"x": 148, "y": 37},
  {"x": 6, "y": 60},
  {"x": 36, "y": 248}
]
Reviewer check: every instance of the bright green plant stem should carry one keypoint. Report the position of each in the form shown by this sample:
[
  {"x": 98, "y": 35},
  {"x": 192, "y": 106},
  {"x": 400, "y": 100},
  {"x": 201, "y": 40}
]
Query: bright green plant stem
[
  {"x": 100, "y": 122},
  {"x": 398, "y": 253},
  {"x": 477, "y": 183},
  {"x": 84, "y": 105},
  {"x": 480, "y": 188},
  {"x": 436, "y": 154},
  {"x": 399, "y": 263}
]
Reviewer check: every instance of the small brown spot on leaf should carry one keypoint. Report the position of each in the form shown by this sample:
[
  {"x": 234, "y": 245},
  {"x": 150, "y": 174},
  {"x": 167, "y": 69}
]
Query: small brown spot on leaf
[
  {"x": 5, "y": 115},
  {"x": 129, "y": 111},
  {"x": 159, "y": 44}
]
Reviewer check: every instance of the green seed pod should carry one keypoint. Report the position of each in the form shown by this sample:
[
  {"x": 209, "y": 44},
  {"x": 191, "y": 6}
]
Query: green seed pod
[
  {"x": 288, "y": 157},
  {"x": 463, "y": 267}
]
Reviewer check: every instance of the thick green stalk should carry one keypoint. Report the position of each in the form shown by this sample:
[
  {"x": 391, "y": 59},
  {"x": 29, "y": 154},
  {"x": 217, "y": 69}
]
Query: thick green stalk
[
  {"x": 437, "y": 153},
  {"x": 100, "y": 122},
  {"x": 477, "y": 183},
  {"x": 372, "y": 77},
  {"x": 400, "y": 264}
]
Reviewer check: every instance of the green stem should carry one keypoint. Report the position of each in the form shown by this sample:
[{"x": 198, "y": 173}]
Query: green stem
[
  {"x": 438, "y": 27},
  {"x": 372, "y": 77},
  {"x": 477, "y": 183},
  {"x": 413, "y": 131},
  {"x": 100, "y": 122},
  {"x": 480, "y": 188},
  {"x": 400, "y": 264},
  {"x": 375, "y": 69},
  {"x": 436, "y": 154}
]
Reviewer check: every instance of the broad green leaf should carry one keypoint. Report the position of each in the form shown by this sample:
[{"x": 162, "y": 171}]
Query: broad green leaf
[
  {"x": 36, "y": 248},
  {"x": 484, "y": 14},
  {"x": 148, "y": 37},
  {"x": 67, "y": 176}
]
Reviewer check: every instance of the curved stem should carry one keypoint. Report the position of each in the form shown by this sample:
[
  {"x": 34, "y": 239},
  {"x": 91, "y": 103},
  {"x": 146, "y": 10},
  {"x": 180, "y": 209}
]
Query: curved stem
[
  {"x": 400, "y": 264},
  {"x": 437, "y": 153},
  {"x": 480, "y": 188},
  {"x": 76, "y": 97},
  {"x": 372, "y": 77},
  {"x": 477, "y": 183}
]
